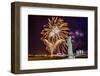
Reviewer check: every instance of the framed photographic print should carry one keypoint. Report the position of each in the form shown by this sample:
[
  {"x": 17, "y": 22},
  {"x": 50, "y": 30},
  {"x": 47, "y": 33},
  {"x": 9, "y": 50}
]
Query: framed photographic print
[{"x": 52, "y": 37}]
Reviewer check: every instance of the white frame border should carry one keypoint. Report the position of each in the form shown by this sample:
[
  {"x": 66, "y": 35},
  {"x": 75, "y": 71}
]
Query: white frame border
[{"x": 25, "y": 64}]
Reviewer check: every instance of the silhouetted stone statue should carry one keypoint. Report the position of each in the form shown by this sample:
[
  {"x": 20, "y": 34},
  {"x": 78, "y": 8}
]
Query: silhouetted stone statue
[{"x": 70, "y": 49}]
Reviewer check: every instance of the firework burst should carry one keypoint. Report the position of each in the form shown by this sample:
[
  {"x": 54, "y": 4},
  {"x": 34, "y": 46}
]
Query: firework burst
[{"x": 54, "y": 35}]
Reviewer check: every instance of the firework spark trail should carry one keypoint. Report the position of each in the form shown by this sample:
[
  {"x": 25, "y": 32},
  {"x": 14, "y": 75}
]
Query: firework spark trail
[{"x": 54, "y": 35}]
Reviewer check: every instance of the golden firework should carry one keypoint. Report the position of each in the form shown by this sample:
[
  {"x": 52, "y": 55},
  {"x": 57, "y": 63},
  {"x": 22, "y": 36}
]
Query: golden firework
[{"x": 54, "y": 35}]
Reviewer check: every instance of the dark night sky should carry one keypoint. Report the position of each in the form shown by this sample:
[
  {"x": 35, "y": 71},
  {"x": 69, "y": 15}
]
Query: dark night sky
[{"x": 35, "y": 26}]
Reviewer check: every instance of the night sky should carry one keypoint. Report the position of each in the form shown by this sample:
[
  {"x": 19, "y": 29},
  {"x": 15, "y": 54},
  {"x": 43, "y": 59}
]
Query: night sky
[{"x": 78, "y": 30}]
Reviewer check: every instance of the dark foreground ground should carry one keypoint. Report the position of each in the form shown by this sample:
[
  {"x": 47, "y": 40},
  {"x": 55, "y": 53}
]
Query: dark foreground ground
[{"x": 48, "y": 57}]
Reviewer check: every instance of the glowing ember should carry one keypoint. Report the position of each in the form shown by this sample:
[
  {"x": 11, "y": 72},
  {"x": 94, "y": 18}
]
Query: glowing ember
[{"x": 54, "y": 31}]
